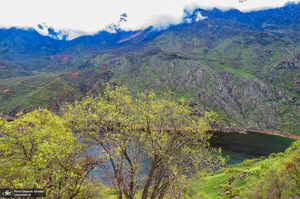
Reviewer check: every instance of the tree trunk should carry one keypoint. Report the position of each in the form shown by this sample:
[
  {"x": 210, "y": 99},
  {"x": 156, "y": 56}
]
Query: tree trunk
[
  {"x": 150, "y": 178},
  {"x": 163, "y": 191},
  {"x": 120, "y": 194}
]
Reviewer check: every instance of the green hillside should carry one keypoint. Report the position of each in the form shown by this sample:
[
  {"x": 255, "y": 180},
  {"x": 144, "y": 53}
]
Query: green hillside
[
  {"x": 250, "y": 78},
  {"x": 246, "y": 70}
]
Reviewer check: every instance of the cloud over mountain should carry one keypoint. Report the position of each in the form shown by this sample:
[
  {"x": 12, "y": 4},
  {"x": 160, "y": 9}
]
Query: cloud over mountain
[{"x": 90, "y": 16}]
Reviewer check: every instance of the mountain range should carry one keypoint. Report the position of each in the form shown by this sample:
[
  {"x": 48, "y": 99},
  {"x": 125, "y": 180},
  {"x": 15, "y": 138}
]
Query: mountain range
[{"x": 244, "y": 66}]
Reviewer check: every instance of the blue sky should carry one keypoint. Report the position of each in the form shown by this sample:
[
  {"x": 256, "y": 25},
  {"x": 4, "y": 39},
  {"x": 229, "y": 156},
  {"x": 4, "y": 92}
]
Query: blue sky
[{"x": 89, "y": 16}]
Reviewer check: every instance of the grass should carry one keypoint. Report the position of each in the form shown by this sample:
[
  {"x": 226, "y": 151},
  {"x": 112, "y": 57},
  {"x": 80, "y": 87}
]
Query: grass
[
  {"x": 214, "y": 185},
  {"x": 246, "y": 175},
  {"x": 41, "y": 93}
]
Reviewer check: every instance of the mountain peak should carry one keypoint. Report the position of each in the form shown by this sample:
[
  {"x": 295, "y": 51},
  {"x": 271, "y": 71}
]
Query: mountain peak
[
  {"x": 52, "y": 32},
  {"x": 115, "y": 27}
]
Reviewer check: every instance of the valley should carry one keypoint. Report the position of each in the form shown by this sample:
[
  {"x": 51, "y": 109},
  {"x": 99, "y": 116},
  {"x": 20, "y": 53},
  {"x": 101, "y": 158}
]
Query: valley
[
  {"x": 248, "y": 73},
  {"x": 205, "y": 108}
]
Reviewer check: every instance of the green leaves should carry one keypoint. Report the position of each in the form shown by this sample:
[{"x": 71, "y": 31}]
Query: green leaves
[
  {"x": 39, "y": 150},
  {"x": 131, "y": 132}
]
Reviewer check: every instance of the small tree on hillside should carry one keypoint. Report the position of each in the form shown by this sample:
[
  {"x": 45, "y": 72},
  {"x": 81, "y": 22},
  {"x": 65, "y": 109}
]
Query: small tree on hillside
[{"x": 152, "y": 144}]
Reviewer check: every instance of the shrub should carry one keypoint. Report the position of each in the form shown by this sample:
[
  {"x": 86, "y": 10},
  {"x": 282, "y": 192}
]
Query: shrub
[
  {"x": 235, "y": 191},
  {"x": 226, "y": 187},
  {"x": 281, "y": 155},
  {"x": 272, "y": 155},
  {"x": 220, "y": 171},
  {"x": 262, "y": 157},
  {"x": 247, "y": 163},
  {"x": 230, "y": 170}
]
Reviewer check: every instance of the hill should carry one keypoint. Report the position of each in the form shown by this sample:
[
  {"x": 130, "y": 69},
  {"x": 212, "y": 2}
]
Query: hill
[{"x": 245, "y": 66}]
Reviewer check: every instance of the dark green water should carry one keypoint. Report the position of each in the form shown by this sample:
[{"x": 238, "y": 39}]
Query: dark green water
[{"x": 247, "y": 146}]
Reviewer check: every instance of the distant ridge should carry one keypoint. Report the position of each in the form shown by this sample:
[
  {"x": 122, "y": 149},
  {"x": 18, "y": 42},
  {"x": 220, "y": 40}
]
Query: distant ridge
[{"x": 244, "y": 66}]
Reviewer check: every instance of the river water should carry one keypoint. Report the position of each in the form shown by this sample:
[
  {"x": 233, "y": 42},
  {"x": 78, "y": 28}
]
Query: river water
[
  {"x": 247, "y": 146},
  {"x": 240, "y": 147}
]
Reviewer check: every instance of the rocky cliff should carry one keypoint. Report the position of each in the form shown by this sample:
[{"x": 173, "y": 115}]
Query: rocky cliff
[{"x": 245, "y": 66}]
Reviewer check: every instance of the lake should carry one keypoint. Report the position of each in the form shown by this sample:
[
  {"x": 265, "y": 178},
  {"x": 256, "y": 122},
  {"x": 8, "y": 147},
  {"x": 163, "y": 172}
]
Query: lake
[
  {"x": 244, "y": 146},
  {"x": 247, "y": 146}
]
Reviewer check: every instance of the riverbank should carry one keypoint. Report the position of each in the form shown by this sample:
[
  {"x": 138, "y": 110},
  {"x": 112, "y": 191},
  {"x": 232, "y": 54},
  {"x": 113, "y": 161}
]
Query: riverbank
[
  {"x": 287, "y": 135},
  {"x": 8, "y": 118},
  {"x": 244, "y": 131},
  {"x": 238, "y": 179},
  {"x": 227, "y": 131}
]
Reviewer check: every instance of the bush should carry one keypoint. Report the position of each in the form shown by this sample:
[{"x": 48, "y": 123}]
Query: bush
[
  {"x": 230, "y": 170},
  {"x": 226, "y": 187},
  {"x": 220, "y": 171},
  {"x": 235, "y": 191},
  {"x": 262, "y": 157},
  {"x": 281, "y": 155},
  {"x": 247, "y": 163},
  {"x": 272, "y": 155},
  {"x": 93, "y": 189},
  {"x": 110, "y": 191}
]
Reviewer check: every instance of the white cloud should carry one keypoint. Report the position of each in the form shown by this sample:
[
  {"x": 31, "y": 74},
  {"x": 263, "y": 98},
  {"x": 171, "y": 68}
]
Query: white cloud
[
  {"x": 90, "y": 16},
  {"x": 199, "y": 16},
  {"x": 188, "y": 20}
]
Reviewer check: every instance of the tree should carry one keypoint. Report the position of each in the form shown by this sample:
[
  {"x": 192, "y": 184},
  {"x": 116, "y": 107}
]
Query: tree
[
  {"x": 151, "y": 144},
  {"x": 39, "y": 151},
  {"x": 282, "y": 179},
  {"x": 293, "y": 167},
  {"x": 293, "y": 171}
]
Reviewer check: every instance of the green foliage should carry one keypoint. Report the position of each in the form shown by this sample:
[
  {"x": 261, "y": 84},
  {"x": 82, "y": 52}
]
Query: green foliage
[
  {"x": 230, "y": 170},
  {"x": 235, "y": 191},
  {"x": 272, "y": 155},
  {"x": 272, "y": 177},
  {"x": 93, "y": 189},
  {"x": 265, "y": 166},
  {"x": 39, "y": 151},
  {"x": 273, "y": 184},
  {"x": 280, "y": 154},
  {"x": 292, "y": 167},
  {"x": 262, "y": 157},
  {"x": 130, "y": 132},
  {"x": 249, "y": 162},
  {"x": 25, "y": 92},
  {"x": 226, "y": 187}
]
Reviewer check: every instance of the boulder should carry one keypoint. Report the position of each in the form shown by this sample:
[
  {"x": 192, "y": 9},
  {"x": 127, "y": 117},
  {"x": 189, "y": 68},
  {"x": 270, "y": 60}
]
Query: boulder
[
  {"x": 231, "y": 179},
  {"x": 228, "y": 192}
]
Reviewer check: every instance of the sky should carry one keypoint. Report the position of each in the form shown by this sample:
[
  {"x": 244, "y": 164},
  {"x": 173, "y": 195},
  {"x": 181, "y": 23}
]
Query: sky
[{"x": 81, "y": 17}]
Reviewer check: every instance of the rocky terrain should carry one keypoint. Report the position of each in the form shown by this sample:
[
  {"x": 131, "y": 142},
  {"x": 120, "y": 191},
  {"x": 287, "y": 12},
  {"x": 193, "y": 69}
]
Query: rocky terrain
[{"x": 245, "y": 66}]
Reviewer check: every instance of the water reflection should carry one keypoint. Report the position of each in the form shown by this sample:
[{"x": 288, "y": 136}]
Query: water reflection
[{"x": 247, "y": 146}]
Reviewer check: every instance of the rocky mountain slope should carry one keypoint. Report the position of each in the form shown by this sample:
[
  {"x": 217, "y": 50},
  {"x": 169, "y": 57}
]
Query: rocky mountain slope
[{"x": 245, "y": 66}]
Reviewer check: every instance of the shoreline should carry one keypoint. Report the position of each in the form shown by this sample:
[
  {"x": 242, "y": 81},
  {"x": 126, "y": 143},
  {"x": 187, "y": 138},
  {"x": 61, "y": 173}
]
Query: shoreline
[
  {"x": 244, "y": 131},
  {"x": 287, "y": 135}
]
